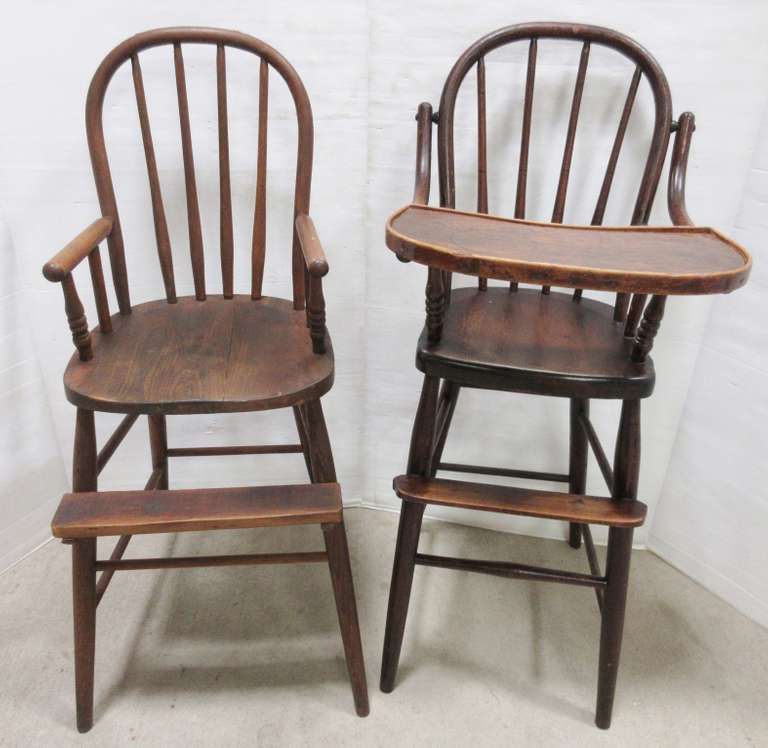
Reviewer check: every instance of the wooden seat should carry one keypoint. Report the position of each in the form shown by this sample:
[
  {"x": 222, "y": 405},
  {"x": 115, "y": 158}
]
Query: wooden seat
[
  {"x": 523, "y": 501},
  {"x": 96, "y": 514},
  {"x": 212, "y": 356},
  {"x": 536, "y": 343}
]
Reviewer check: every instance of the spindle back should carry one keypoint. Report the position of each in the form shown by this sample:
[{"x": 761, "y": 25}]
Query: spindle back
[
  {"x": 175, "y": 38},
  {"x": 645, "y": 67}
]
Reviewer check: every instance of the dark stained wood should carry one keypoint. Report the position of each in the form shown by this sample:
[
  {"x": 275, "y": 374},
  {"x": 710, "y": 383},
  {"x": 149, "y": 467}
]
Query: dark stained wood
[
  {"x": 84, "y": 608},
  {"x": 99, "y": 290},
  {"x": 346, "y": 608},
  {"x": 78, "y": 324},
  {"x": 565, "y": 169},
  {"x": 482, "y": 150},
  {"x": 511, "y": 570},
  {"x": 597, "y": 449},
  {"x": 259, "y": 449},
  {"x": 522, "y": 501},
  {"x": 114, "y": 441},
  {"x": 613, "y": 159},
  {"x": 423, "y": 154},
  {"x": 259, "y": 244},
  {"x": 686, "y": 124},
  {"x": 225, "y": 189},
  {"x": 577, "y": 460},
  {"x": 193, "y": 206},
  {"x": 193, "y": 562},
  {"x": 458, "y": 467},
  {"x": 668, "y": 260},
  {"x": 525, "y": 136},
  {"x": 526, "y": 342},
  {"x": 227, "y": 355},
  {"x": 88, "y": 515},
  {"x": 649, "y": 326},
  {"x": 158, "y": 445},
  {"x": 158, "y": 210},
  {"x": 106, "y": 576}
]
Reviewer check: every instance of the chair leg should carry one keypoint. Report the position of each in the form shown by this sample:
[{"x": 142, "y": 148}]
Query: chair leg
[
  {"x": 158, "y": 444},
  {"x": 84, "y": 573},
  {"x": 411, "y": 515},
  {"x": 625, "y": 478},
  {"x": 322, "y": 470},
  {"x": 449, "y": 396},
  {"x": 577, "y": 468},
  {"x": 298, "y": 414},
  {"x": 344, "y": 592}
]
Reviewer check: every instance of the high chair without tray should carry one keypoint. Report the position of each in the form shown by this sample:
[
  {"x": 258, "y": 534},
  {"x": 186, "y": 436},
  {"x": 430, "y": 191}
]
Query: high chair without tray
[
  {"x": 543, "y": 342},
  {"x": 202, "y": 354}
]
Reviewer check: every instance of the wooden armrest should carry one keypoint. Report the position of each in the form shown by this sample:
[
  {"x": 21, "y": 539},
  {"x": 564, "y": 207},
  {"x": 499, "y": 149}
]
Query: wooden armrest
[
  {"x": 67, "y": 259},
  {"x": 677, "y": 170},
  {"x": 423, "y": 154},
  {"x": 317, "y": 264}
]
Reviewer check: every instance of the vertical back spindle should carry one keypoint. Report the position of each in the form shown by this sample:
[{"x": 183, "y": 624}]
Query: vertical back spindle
[
  {"x": 260, "y": 211},
  {"x": 158, "y": 211},
  {"x": 225, "y": 189},
  {"x": 482, "y": 150},
  {"x": 525, "y": 137},
  {"x": 99, "y": 290},
  {"x": 622, "y": 299},
  {"x": 570, "y": 138},
  {"x": 193, "y": 207}
]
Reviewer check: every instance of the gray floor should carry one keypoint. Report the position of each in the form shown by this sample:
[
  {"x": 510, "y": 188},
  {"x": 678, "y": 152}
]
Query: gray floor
[{"x": 252, "y": 656}]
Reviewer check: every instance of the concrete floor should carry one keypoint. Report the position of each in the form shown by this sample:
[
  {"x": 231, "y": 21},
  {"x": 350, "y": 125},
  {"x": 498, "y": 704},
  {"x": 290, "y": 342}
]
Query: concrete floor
[{"x": 252, "y": 656}]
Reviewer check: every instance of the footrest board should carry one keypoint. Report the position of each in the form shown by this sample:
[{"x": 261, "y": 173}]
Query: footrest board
[
  {"x": 96, "y": 514},
  {"x": 591, "y": 510}
]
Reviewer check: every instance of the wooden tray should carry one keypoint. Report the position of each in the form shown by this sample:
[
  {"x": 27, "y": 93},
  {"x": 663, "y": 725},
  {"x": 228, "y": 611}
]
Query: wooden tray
[{"x": 633, "y": 259}]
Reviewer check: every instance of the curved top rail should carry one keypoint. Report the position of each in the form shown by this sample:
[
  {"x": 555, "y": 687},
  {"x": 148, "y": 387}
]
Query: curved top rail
[
  {"x": 682, "y": 260},
  {"x": 567, "y": 31}
]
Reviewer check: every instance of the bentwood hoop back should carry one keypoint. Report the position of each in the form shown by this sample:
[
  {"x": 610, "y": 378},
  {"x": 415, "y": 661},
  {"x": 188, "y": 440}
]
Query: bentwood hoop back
[
  {"x": 204, "y": 353},
  {"x": 542, "y": 342}
]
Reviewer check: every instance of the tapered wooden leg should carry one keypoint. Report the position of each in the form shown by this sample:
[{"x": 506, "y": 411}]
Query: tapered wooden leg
[
  {"x": 298, "y": 414},
  {"x": 344, "y": 591},
  {"x": 322, "y": 470},
  {"x": 84, "y": 573},
  {"x": 320, "y": 455},
  {"x": 411, "y": 514},
  {"x": 158, "y": 444},
  {"x": 449, "y": 396},
  {"x": 626, "y": 470},
  {"x": 577, "y": 468}
]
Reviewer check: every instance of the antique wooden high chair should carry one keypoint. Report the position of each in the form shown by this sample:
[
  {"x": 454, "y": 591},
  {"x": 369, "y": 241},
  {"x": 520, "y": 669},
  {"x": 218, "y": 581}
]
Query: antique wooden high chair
[
  {"x": 197, "y": 354},
  {"x": 543, "y": 342}
]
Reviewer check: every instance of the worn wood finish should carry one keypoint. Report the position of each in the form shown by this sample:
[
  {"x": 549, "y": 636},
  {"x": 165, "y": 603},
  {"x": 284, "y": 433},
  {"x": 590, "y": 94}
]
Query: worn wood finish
[
  {"x": 226, "y": 355},
  {"x": 661, "y": 260},
  {"x": 522, "y": 342},
  {"x": 158, "y": 209},
  {"x": 546, "y": 344},
  {"x": 193, "y": 206},
  {"x": 522, "y": 501},
  {"x": 423, "y": 154},
  {"x": 225, "y": 189},
  {"x": 201, "y": 354},
  {"x": 259, "y": 243},
  {"x": 577, "y": 461},
  {"x": 97, "y": 514}
]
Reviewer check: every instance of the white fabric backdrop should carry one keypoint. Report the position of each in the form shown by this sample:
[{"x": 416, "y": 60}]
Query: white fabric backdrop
[{"x": 366, "y": 67}]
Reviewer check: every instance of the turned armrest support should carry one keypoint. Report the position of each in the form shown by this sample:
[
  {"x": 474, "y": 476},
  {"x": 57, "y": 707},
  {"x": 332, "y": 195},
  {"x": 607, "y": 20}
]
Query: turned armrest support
[
  {"x": 59, "y": 270},
  {"x": 423, "y": 154},
  {"x": 677, "y": 170},
  {"x": 67, "y": 259},
  {"x": 317, "y": 266}
]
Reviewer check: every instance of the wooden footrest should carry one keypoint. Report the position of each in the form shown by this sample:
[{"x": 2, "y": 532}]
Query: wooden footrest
[
  {"x": 95, "y": 514},
  {"x": 527, "y": 502}
]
